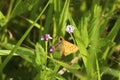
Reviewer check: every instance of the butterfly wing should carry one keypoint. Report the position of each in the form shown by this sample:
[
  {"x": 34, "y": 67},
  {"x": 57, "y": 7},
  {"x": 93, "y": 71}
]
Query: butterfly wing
[
  {"x": 61, "y": 48},
  {"x": 69, "y": 48},
  {"x": 66, "y": 47}
]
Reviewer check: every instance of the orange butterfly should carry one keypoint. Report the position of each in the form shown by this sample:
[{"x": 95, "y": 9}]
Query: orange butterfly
[{"x": 66, "y": 47}]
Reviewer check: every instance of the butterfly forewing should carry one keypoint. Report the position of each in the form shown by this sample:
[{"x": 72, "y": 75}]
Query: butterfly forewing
[
  {"x": 69, "y": 48},
  {"x": 66, "y": 47}
]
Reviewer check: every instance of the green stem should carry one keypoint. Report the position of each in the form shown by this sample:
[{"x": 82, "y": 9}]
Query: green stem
[
  {"x": 73, "y": 41},
  {"x": 72, "y": 37},
  {"x": 9, "y": 10},
  {"x": 51, "y": 55},
  {"x": 46, "y": 46}
]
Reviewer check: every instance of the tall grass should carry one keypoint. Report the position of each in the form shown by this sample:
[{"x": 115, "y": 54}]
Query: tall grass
[{"x": 24, "y": 56}]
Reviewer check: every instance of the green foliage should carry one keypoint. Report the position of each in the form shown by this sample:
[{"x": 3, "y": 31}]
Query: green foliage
[
  {"x": 24, "y": 56},
  {"x": 2, "y": 19}
]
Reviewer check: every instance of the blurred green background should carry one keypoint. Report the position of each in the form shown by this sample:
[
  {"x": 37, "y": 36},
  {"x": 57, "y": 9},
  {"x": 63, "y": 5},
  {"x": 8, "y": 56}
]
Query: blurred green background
[{"x": 24, "y": 56}]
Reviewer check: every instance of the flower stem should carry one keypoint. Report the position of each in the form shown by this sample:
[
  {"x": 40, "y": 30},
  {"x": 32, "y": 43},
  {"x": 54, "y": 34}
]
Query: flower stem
[
  {"x": 72, "y": 37},
  {"x": 46, "y": 44},
  {"x": 73, "y": 41}
]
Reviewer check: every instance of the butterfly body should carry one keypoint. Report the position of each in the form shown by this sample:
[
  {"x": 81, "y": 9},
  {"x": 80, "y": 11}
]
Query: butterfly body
[{"x": 66, "y": 47}]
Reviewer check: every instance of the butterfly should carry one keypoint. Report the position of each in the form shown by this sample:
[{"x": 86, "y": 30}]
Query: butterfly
[{"x": 66, "y": 47}]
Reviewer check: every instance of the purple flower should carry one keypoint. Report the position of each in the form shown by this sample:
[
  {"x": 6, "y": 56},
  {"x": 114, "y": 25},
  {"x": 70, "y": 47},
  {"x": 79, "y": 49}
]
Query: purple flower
[
  {"x": 46, "y": 37},
  {"x": 52, "y": 49},
  {"x": 70, "y": 28}
]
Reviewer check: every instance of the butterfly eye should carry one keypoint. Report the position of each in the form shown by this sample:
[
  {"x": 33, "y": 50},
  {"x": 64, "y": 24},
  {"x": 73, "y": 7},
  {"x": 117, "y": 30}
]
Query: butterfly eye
[{"x": 60, "y": 38}]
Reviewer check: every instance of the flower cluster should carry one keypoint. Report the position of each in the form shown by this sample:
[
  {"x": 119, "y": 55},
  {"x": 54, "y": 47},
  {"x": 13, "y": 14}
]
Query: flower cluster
[
  {"x": 52, "y": 49},
  {"x": 46, "y": 37},
  {"x": 70, "y": 28}
]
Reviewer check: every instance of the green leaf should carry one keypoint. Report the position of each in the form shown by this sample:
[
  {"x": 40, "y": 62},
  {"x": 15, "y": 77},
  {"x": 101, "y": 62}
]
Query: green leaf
[
  {"x": 111, "y": 71},
  {"x": 111, "y": 36},
  {"x": 40, "y": 55},
  {"x": 25, "y": 53},
  {"x": 63, "y": 18},
  {"x": 22, "y": 6},
  {"x": 2, "y": 19}
]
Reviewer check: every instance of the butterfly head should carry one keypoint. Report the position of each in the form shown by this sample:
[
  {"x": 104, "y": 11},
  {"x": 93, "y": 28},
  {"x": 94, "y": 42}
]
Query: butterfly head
[{"x": 61, "y": 39}]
